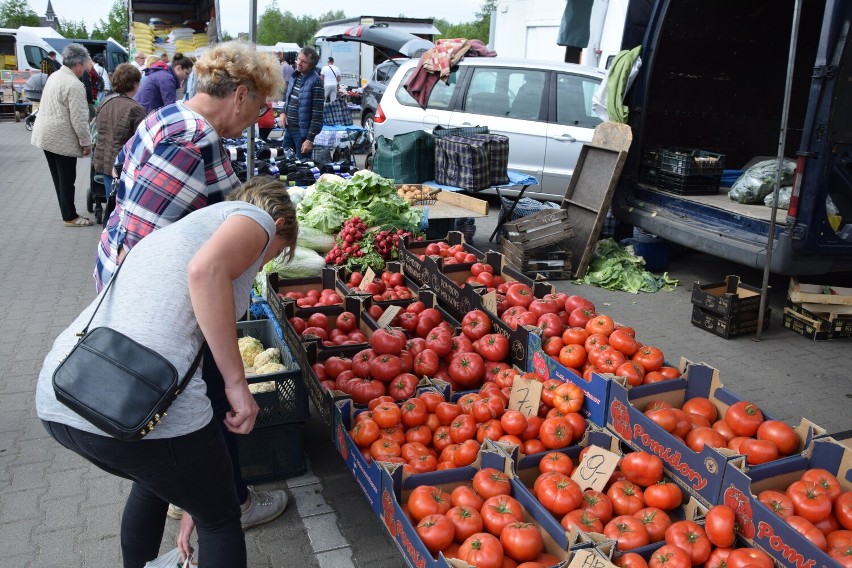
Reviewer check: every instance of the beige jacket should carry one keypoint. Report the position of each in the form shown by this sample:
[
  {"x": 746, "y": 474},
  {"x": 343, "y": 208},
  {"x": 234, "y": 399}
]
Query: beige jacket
[{"x": 62, "y": 125}]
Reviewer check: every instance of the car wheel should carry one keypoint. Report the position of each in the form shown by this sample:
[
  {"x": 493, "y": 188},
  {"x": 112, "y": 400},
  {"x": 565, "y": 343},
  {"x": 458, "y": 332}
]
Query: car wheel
[{"x": 367, "y": 123}]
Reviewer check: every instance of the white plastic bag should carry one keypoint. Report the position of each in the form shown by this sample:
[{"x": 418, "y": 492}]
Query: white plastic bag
[{"x": 170, "y": 559}]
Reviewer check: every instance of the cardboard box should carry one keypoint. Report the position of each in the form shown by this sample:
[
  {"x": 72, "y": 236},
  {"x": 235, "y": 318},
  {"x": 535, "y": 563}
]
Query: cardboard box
[
  {"x": 807, "y": 327},
  {"x": 274, "y": 287},
  {"x": 824, "y": 317},
  {"x": 726, "y": 298},
  {"x": 819, "y": 294},
  {"x": 411, "y": 250},
  {"x": 732, "y": 326},
  {"x": 761, "y": 527},
  {"x": 596, "y": 391}
]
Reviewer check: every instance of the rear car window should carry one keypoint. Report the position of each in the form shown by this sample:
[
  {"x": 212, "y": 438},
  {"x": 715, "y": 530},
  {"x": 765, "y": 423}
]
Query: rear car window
[
  {"x": 574, "y": 100},
  {"x": 439, "y": 98},
  {"x": 513, "y": 93}
]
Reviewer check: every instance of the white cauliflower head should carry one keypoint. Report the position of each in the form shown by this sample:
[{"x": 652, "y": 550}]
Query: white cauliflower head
[
  {"x": 271, "y": 355},
  {"x": 250, "y": 348},
  {"x": 269, "y": 368}
]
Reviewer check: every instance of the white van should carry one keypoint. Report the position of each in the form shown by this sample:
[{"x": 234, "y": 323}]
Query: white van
[{"x": 22, "y": 50}]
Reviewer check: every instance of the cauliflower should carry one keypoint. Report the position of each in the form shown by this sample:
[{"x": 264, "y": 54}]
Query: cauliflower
[
  {"x": 249, "y": 349},
  {"x": 271, "y": 355},
  {"x": 258, "y": 388},
  {"x": 269, "y": 368}
]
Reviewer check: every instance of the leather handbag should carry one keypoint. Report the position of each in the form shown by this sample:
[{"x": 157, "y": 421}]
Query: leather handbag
[{"x": 117, "y": 384}]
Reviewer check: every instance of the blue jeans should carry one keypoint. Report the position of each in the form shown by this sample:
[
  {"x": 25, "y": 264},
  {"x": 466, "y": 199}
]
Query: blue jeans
[
  {"x": 193, "y": 472},
  {"x": 294, "y": 139},
  {"x": 107, "y": 184}
]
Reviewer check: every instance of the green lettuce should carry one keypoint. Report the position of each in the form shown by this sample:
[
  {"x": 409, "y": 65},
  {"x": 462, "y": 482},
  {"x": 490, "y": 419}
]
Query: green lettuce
[{"x": 613, "y": 267}]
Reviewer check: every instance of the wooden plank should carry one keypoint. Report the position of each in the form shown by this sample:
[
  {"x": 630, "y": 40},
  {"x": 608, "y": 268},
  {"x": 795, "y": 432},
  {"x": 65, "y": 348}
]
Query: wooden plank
[
  {"x": 816, "y": 294},
  {"x": 613, "y": 135},
  {"x": 478, "y": 206},
  {"x": 588, "y": 197}
]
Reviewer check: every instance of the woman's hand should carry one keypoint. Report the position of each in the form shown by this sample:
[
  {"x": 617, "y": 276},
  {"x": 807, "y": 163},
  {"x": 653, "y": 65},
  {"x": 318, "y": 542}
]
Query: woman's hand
[
  {"x": 240, "y": 419},
  {"x": 187, "y": 525}
]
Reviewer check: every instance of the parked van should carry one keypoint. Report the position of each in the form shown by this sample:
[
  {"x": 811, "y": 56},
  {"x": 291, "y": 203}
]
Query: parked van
[
  {"x": 23, "y": 50},
  {"x": 713, "y": 78},
  {"x": 114, "y": 53}
]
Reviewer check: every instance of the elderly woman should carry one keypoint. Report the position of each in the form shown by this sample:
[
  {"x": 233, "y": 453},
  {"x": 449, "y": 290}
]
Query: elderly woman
[
  {"x": 118, "y": 117},
  {"x": 62, "y": 128},
  {"x": 184, "y": 285}
]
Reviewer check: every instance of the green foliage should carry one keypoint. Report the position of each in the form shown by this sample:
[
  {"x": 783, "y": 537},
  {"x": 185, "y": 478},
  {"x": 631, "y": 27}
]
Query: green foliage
[
  {"x": 226, "y": 36},
  {"x": 274, "y": 26},
  {"x": 115, "y": 26},
  {"x": 478, "y": 29},
  {"x": 16, "y": 13},
  {"x": 73, "y": 30}
]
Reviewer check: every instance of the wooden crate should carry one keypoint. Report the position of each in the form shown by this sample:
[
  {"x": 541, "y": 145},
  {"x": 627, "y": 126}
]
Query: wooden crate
[
  {"x": 552, "y": 261},
  {"x": 539, "y": 229}
]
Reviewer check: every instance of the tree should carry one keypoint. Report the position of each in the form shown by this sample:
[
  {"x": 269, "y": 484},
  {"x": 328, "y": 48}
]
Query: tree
[
  {"x": 479, "y": 29},
  {"x": 116, "y": 25},
  {"x": 270, "y": 25},
  {"x": 73, "y": 30},
  {"x": 16, "y": 13}
]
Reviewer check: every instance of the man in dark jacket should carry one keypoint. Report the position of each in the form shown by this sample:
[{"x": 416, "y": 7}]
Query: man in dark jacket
[
  {"x": 161, "y": 83},
  {"x": 302, "y": 116}
]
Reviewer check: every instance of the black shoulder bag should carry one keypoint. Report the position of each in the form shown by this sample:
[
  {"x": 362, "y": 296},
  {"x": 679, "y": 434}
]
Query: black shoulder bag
[{"x": 116, "y": 384}]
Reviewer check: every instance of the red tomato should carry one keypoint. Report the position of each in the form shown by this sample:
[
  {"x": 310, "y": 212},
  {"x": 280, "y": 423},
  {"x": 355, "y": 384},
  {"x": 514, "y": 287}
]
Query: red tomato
[
  {"x": 697, "y": 438},
  {"x": 810, "y": 500},
  {"x": 690, "y": 536},
  {"x": 597, "y": 505},
  {"x": 624, "y": 342},
  {"x": 807, "y": 529},
  {"x": 745, "y": 557},
  {"x": 669, "y": 556},
  {"x": 703, "y": 406},
  {"x": 467, "y": 370},
  {"x": 493, "y": 347},
  {"x": 519, "y": 295},
  {"x": 475, "y": 324},
  {"x": 719, "y": 525},
  {"x": 482, "y": 550},
  {"x": 539, "y": 307},
  {"x": 758, "y": 451},
  {"x": 627, "y": 531},
  {"x": 777, "y": 502},
  {"x": 582, "y": 521},
  {"x": 651, "y": 358},
  {"x": 364, "y": 433},
  {"x": 436, "y": 532},
  {"x": 499, "y": 511},
  {"x": 558, "y": 493},
  {"x": 522, "y": 541},
  {"x": 580, "y": 317},
  {"x": 574, "y": 301},
  {"x": 656, "y": 522},
  {"x": 630, "y": 560},
  {"x": 489, "y": 482},
  {"x": 466, "y": 521},
  {"x": 780, "y": 434},
  {"x": 556, "y": 433},
  {"x": 426, "y": 500},
  {"x": 843, "y": 509},
  {"x": 822, "y": 477},
  {"x": 626, "y": 498},
  {"x": 663, "y": 495},
  {"x": 744, "y": 418},
  {"x": 568, "y": 397},
  {"x": 642, "y": 468},
  {"x": 556, "y": 462}
]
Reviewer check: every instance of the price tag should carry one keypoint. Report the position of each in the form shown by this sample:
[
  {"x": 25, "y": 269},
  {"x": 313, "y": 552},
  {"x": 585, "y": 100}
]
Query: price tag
[
  {"x": 526, "y": 396},
  {"x": 588, "y": 558},
  {"x": 595, "y": 469},
  {"x": 489, "y": 302},
  {"x": 369, "y": 276},
  {"x": 388, "y": 315}
]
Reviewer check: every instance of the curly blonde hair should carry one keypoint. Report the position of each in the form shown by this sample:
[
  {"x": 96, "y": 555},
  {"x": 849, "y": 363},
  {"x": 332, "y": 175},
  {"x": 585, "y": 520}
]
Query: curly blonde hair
[
  {"x": 270, "y": 194},
  {"x": 223, "y": 68}
]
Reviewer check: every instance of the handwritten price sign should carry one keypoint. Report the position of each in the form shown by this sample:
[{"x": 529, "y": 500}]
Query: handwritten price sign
[
  {"x": 525, "y": 397},
  {"x": 589, "y": 558},
  {"x": 595, "y": 469},
  {"x": 369, "y": 276}
]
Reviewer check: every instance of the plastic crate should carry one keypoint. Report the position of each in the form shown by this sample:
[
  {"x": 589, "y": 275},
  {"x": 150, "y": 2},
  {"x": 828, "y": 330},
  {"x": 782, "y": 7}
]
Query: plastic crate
[
  {"x": 288, "y": 401},
  {"x": 273, "y": 452},
  {"x": 690, "y": 162},
  {"x": 682, "y": 185}
]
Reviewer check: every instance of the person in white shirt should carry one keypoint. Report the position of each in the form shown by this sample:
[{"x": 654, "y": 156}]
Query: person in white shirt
[
  {"x": 100, "y": 69},
  {"x": 331, "y": 78},
  {"x": 139, "y": 60}
]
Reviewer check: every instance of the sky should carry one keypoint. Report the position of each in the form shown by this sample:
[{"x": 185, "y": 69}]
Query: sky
[{"x": 235, "y": 12}]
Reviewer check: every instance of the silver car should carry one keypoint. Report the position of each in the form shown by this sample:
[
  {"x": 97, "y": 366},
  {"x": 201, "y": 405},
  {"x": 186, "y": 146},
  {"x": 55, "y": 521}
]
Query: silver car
[{"x": 545, "y": 108}]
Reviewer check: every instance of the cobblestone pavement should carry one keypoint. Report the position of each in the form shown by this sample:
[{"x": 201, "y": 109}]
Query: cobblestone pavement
[{"x": 56, "y": 510}]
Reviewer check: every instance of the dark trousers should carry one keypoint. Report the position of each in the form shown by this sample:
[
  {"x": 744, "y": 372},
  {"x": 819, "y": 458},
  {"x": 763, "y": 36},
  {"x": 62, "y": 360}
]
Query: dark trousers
[
  {"x": 63, "y": 170},
  {"x": 294, "y": 139},
  {"x": 191, "y": 471},
  {"x": 216, "y": 393}
]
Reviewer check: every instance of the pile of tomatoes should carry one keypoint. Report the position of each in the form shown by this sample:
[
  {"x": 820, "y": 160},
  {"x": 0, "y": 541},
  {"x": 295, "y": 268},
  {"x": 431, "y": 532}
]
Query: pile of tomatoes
[
  {"x": 816, "y": 507},
  {"x": 480, "y": 523},
  {"x": 388, "y": 286},
  {"x": 451, "y": 254},
  {"x": 742, "y": 428},
  {"x": 341, "y": 329},
  {"x": 311, "y": 298}
]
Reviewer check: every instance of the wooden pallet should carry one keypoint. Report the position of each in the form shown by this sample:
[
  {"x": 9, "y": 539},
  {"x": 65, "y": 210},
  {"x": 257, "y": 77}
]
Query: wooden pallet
[
  {"x": 551, "y": 261},
  {"x": 539, "y": 229}
]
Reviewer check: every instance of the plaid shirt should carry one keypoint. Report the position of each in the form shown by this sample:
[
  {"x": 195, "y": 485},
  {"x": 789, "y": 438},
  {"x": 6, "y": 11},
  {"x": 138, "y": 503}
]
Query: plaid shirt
[{"x": 173, "y": 165}]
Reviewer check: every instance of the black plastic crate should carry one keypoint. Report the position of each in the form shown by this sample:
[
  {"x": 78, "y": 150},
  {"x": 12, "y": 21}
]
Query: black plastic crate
[
  {"x": 286, "y": 399},
  {"x": 273, "y": 452},
  {"x": 690, "y": 162},
  {"x": 682, "y": 185}
]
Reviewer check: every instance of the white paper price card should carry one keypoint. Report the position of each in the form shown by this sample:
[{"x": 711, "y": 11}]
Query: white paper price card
[
  {"x": 388, "y": 315},
  {"x": 369, "y": 276},
  {"x": 595, "y": 468},
  {"x": 526, "y": 396},
  {"x": 264, "y": 286},
  {"x": 489, "y": 302},
  {"x": 589, "y": 558}
]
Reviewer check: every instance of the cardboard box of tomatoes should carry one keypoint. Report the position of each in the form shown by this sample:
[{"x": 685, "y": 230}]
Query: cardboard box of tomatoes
[
  {"x": 412, "y": 254},
  {"x": 398, "y": 512},
  {"x": 274, "y": 289},
  {"x": 758, "y": 524}
]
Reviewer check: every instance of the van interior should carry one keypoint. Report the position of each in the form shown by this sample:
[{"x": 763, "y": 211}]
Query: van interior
[{"x": 33, "y": 53}]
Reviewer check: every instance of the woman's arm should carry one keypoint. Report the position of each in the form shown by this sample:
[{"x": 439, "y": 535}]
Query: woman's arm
[{"x": 233, "y": 249}]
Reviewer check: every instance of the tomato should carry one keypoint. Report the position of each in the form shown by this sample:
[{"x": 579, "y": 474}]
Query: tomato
[
  {"x": 578, "y": 424},
  {"x": 466, "y": 522},
  {"x": 719, "y": 524},
  {"x": 825, "y": 479},
  {"x": 839, "y": 545},
  {"x": 630, "y": 560},
  {"x": 499, "y": 511},
  {"x": 627, "y": 531},
  {"x": 626, "y": 498},
  {"x": 744, "y": 557},
  {"x": 466, "y": 453},
  {"x": 609, "y": 359},
  {"x": 807, "y": 529},
  {"x": 718, "y": 558},
  {"x": 828, "y": 525},
  {"x": 395, "y": 434},
  {"x": 697, "y": 438},
  {"x": 364, "y": 433},
  {"x": 550, "y": 325},
  {"x": 475, "y": 324},
  {"x": 463, "y": 428},
  {"x": 467, "y": 401},
  {"x": 490, "y": 429},
  {"x": 843, "y": 509},
  {"x": 365, "y": 390},
  {"x": 780, "y": 434},
  {"x": 582, "y": 521},
  {"x": 482, "y": 550},
  {"x": 758, "y": 451},
  {"x": 467, "y": 370},
  {"x": 624, "y": 342},
  {"x": 383, "y": 448},
  {"x": 651, "y": 358},
  {"x": 690, "y": 536},
  {"x": 387, "y": 341},
  {"x": 665, "y": 418},
  {"x": 556, "y": 433},
  {"x": 656, "y": 522},
  {"x": 427, "y": 500},
  {"x": 597, "y": 505},
  {"x": 559, "y": 494},
  {"x": 600, "y": 323},
  {"x": 632, "y": 371},
  {"x": 642, "y": 468},
  {"x": 703, "y": 406},
  {"x": 683, "y": 424},
  {"x": 572, "y": 356},
  {"x": 493, "y": 347},
  {"x": 465, "y": 496},
  {"x": 522, "y": 541},
  {"x": 387, "y": 415},
  {"x": 810, "y": 500},
  {"x": 556, "y": 462},
  {"x": 744, "y": 418},
  {"x": 669, "y": 556},
  {"x": 489, "y": 482},
  {"x": 519, "y": 294},
  {"x": 568, "y": 398},
  {"x": 436, "y": 532},
  {"x": 447, "y": 412},
  {"x": 663, "y": 495},
  {"x": 513, "y": 422},
  {"x": 575, "y": 335}
]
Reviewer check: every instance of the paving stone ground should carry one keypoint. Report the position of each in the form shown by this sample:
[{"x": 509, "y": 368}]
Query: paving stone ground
[{"x": 56, "y": 510}]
